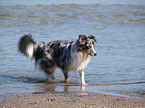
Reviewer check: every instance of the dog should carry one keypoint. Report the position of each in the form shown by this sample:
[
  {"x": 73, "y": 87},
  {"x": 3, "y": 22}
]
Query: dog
[{"x": 67, "y": 55}]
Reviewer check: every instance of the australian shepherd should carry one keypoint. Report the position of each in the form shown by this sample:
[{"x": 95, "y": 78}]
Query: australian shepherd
[{"x": 67, "y": 55}]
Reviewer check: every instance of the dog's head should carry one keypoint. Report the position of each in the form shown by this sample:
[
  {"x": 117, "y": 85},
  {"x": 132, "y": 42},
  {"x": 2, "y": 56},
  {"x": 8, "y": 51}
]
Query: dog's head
[{"x": 87, "y": 44}]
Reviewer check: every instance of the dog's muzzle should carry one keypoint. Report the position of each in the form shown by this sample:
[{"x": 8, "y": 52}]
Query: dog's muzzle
[{"x": 94, "y": 54}]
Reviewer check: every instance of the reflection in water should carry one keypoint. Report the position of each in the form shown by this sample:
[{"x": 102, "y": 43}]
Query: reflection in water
[{"x": 58, "y": 86}]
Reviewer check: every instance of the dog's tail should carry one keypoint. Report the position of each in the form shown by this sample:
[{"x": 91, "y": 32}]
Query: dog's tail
[{"x": 26, "y": 45}]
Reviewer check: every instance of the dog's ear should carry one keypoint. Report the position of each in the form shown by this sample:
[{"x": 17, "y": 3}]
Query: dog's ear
[
  {"x": 92, "y": 37},
  {"x": 82, "y": 38}
]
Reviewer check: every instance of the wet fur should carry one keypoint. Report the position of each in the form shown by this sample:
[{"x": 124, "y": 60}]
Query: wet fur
[{"x": 67, "y": 55}]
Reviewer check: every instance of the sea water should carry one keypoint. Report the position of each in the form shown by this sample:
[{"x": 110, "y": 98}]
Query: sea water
[{"x": 119, "y": 28}]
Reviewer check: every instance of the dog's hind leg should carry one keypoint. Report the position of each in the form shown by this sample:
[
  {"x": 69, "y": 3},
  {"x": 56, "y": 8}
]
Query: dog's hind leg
[
  {"x": 47, "y": 67},
  {"x": 65, "y": 73}
]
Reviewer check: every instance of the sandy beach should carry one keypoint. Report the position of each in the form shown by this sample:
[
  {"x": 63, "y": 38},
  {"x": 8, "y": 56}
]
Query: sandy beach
[{"x": 71, "y": 100}]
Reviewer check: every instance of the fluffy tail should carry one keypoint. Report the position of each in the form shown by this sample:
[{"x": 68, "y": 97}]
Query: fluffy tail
[{"x": 26, "y": 46}]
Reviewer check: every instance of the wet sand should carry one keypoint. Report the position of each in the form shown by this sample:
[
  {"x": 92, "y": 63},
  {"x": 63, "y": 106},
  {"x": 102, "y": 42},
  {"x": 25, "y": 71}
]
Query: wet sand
[{"x": 71, "y": 100}]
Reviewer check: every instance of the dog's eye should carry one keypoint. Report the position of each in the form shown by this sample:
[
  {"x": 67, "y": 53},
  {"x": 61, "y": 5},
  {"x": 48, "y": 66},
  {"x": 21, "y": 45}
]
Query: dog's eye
[{"x": 90, "y": 46}]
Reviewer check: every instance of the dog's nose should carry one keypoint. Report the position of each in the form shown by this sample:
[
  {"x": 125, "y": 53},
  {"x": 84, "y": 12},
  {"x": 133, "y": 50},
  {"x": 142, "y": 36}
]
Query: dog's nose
[{"x": 95, "y": 54}]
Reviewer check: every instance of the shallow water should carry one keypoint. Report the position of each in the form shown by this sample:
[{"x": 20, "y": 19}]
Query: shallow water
[{"x": 118, "y": 27}]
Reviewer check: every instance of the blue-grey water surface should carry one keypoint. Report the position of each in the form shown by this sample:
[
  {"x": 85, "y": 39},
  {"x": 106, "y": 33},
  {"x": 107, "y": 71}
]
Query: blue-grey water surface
[{"x": 119, "y": 28}]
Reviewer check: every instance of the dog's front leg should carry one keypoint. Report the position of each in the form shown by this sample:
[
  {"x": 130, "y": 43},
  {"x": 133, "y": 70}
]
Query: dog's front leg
[
  {"x": 82, "y": 77},
  {"x": 65, "y": 73}
]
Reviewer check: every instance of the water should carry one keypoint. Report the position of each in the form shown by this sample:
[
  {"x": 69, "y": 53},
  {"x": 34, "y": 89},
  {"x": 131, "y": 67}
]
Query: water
[{"x": 118, "y": 27}]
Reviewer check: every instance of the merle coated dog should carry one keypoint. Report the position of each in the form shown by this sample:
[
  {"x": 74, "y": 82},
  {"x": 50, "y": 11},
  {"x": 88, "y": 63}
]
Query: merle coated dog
[{"x": 67, "y": 55}]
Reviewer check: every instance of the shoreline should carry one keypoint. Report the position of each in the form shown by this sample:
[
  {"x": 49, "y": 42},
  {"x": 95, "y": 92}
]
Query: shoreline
[{"x": 71, "y": 100}]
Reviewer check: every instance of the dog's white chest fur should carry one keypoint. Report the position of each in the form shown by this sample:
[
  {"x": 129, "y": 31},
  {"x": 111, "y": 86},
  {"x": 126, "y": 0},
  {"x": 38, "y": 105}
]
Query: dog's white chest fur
[{"x": 79, "y": 61}]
